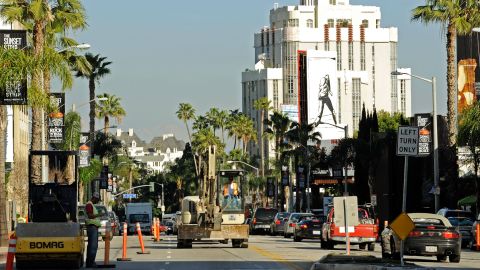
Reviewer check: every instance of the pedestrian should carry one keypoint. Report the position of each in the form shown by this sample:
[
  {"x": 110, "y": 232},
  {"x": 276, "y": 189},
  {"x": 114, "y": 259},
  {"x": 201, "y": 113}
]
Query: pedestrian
[{"x": 93, "y": 223}]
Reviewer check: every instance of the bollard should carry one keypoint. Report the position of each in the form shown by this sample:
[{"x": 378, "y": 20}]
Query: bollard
[
  {"x": 478, "y": 235},
  {"x": 140, "y": 238},
  {"x": 158, "y": 230},
  {"x": 124, "y": 249},
  {"x": 12, "y": 247},
  {"x": 155, "y": 230},
  {"x": 106, "y": 255}
]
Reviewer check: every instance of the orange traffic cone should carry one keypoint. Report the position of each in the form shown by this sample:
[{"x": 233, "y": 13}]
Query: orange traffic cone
[
  {"x": 159, "y": 231},
  {"x": 124, "y": 249},
  {"x": 140, "y": 238},
  {"x": 12, "y": 247}
]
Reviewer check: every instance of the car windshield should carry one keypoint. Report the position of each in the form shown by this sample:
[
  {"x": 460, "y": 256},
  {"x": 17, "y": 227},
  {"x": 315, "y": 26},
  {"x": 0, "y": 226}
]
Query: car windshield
[
  {"x": 282, "y": 215},
  {"x": 143, "y": 218},
  {"x": 456, "y": 221},
  {"x": 460, "y": 214},
  {"x": 265, "y": 213},
  {"x": 231, "y": 190},
  {"x": 296, "y": 217}
]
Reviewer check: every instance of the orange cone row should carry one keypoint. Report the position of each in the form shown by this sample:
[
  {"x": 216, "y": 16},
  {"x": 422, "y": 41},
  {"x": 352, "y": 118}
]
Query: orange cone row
[{"x": 124, "y": 249}]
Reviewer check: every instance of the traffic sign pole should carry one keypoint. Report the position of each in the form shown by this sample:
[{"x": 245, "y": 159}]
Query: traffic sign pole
[
  {"x": 347, "y": 235},
  {"x": 404, "y": 202}
]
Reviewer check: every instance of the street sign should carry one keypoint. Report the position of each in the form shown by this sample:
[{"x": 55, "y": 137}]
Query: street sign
[
  {"x": 129, "y": 196},
  {"x": 407, "y": 141},
  {"x": 345, "y": 208},
  {"x": 402, "y": 226},
  {"x": 424, "y": 142}
]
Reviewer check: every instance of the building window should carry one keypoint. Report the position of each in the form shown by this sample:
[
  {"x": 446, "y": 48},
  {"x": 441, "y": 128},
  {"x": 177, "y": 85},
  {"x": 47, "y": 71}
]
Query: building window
[
  {"x": 356, "y": 102},
  {"x": 350, "y": 55},
  {"x": 339, "y": 56},
  {"x": 275, "y": 94},
  {"x": 331, "y": 23},
  {"x": 362, "y": 56},
  {"x": 378, "y": 23},
  {"x": 285, "y": 23},
  {"x": 403, "y": 104},
  {"x": 344, "y": 22},
  {"x": 333, "y": 2},
  {"x": 290, "y": 84},
  {"x": 310, "y": 23},
  {"x": 365, "y": 23},
  {"x": 293, "y": 22}
]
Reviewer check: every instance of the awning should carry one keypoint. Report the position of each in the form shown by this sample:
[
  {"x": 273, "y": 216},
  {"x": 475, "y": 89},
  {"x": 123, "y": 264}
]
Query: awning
[{"x": 469, "y": 200}]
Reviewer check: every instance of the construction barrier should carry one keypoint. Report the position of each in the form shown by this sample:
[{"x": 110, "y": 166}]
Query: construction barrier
[
  {"x": 478, "y": 236},
  {"x": 140, "y": 238},
  {"x": 12, "y": 247},
  {"x": 124, "y": 248},
  {"x": 157, "y": 225}
]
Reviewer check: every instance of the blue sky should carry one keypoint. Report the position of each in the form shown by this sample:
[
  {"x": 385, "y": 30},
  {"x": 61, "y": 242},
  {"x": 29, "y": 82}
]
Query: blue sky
[{"x": 167, "y": 52}]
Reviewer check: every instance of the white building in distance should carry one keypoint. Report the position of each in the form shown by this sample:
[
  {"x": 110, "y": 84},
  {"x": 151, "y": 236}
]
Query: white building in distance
[{"x": 366, "y": 56}]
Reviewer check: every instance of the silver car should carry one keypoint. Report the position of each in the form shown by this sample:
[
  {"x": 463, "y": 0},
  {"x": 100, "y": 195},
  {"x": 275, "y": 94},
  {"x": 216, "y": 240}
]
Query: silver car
[
  {"x": 293, "y": 218},
  {"x": 278, "y": 224}
]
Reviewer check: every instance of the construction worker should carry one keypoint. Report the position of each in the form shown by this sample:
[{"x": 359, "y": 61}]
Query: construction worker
[
  {"x": 230, "y": 192},
  {"x": 92, "y": 222}
]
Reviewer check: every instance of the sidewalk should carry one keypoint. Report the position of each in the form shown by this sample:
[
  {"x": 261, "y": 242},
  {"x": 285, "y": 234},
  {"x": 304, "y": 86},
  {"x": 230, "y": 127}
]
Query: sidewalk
[{"x": 3, "y": 254}]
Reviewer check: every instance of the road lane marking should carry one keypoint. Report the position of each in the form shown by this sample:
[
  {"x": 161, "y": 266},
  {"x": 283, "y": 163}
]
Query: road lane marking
[{"x": 275, "y": 257}]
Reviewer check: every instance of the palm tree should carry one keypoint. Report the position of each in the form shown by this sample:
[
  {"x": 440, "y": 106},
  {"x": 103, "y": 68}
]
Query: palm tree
[
  {"x": 263, "y": 105},
  {"x": 469, "y": 135},
  {"x": 457, "y": 17},
  {"x": 99, "y": 70},
  {"x": 222, "y": 121},
  {"x": 213, "y": 117},
  {"x": 186, "y": 112},
  {"x": 232, "y": 127},
  {"x": 109, "y": 108},
  {"x": 245, "y": 131},
  {"x": 277, "y": 127}
]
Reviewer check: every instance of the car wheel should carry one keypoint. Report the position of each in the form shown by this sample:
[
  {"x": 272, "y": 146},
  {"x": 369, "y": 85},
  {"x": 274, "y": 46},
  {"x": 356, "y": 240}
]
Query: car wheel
[
  {"x": 454, "y": 258},
  {"x": 330, "y": 245},
  {"x": 297, "y": 239},
  {"x": 362, "y": 246},
  {"x": 441, "y": 258},
  {"x": 393, "y": 251},
  {"x": 371, "y": 247},
  {"x": 285, "y": 235},
  {"x": 323, "y": 244}
]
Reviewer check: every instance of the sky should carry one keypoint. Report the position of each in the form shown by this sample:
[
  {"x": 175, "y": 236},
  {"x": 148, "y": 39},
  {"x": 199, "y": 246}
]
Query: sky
[{"x": 168, "y": 52}]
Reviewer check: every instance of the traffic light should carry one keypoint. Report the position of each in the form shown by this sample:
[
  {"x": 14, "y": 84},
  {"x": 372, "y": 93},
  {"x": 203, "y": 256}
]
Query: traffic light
[{"x": 152, "y": 187}]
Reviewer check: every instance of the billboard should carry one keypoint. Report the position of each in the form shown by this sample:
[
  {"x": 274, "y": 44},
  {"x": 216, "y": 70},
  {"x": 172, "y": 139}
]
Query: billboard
[
  {"x": 466, "y": 83},
  {"x": 318, "y": 93},
  {"x": 56, "y": 125},
  {"x": 14, "y": 92}
]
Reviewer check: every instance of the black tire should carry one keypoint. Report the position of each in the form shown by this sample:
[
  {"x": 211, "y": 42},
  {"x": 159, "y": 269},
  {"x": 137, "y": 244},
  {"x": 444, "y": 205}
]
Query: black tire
[
  {"x": 323, "y": 244},
  {"x": 442, "y": 258},
  {"x": 393, "y": 251},
  {"x": 224, "y": 241},
  {"x": 236, "y": 243},
  {"x": 454, "y": 258},
  {"x": 285, "y": 235},
  {"x": 297, "y": 239},
  {"x": 330, "y": 245},
  {"x": 371, "y": 247},
  {"x": 362, "y": 246},
  {"x": 244, "y": 244}
]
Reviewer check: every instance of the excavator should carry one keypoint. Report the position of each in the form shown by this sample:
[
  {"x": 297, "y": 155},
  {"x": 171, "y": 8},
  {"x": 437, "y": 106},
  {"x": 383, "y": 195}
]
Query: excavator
[
  {"x": 52, "y": 238},
  {"x": 217, "y": 213}
]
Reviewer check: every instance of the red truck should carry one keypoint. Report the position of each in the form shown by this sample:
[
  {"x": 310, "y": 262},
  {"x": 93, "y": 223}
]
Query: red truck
[{"x": 365, "y": 233}]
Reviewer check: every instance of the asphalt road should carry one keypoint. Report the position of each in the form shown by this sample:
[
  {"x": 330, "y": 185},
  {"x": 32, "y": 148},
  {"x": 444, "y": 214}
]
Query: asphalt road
[{"x": 264, "y": 252}]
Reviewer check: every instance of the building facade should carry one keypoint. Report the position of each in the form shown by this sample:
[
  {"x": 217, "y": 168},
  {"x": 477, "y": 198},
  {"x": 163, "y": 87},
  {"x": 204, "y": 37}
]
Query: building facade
[{"x": 366, "y": 54}]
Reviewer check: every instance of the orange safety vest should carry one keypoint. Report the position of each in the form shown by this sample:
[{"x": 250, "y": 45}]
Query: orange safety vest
[{"x": 226, "y": 188}]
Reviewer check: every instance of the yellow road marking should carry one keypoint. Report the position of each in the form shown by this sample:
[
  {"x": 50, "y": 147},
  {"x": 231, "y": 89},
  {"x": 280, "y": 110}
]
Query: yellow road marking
[{"x": 275, "y": 257}]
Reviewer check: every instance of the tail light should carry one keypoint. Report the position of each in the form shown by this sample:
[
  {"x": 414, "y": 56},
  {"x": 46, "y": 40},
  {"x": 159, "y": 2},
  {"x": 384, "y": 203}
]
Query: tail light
[
  {"x": 431, "y": 227},
  {"x": 414, "y": 234},
  {"x": 254, "y": 221},
  {"x": 451, "y": 235},
  {"x": 375, "y": 229},
  {"x": 303, "y": 227},
  {"x": 277, "y": 222},
  {"x": 292, "y": 225}
]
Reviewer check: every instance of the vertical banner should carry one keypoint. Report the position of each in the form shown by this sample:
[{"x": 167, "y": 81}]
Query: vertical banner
[
  {"x": 56, "y": 125},
  {"x": 84, "y": 151},
  {"x": 110, "y": 183},
  {"x": 422, "y": 120},
  {"x": 321, "y": 94},
  {"x": 270, "y": 186},
  {"x": 466, "y": 83},
  {"x": 14, "y": 92},
  {"x": 285, "y": 176},
  {"x": 300, "y": 178}
]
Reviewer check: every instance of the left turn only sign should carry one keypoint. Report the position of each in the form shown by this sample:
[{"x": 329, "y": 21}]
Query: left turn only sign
[{"x": 407, "y": 141}]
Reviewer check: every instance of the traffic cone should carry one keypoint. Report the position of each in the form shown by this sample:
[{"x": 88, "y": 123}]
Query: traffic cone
[
  {"x": 155, "y": 230},
  {"x": 12, "y": 247},
  {"x": 140, "y": 238},
  {"x": 124, "y": 249},
  {"x": 478, "y": 236},
  {"x": 158, "y": 230},
  {"x": 106, "y": 256}
]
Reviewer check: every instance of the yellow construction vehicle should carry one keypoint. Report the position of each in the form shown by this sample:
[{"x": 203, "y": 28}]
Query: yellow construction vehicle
[
  {"x": 218, "y": 213},
  {"x": 52, "y": 238}
]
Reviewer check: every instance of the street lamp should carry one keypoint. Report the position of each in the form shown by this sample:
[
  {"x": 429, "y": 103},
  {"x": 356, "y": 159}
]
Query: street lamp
[
  {"x": 433, "y": 81},
  {"x": 82, "y": 46},
  {"x": 86, "y": 103},
  {"x": 238, "y": 161}
]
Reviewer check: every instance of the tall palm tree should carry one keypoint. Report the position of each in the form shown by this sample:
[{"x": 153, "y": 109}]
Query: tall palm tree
[
  {"x": 110, "y": 107},
  {"x": 223, "y": 120},
  {"x": 99, "y": 69},
  {"x": 277, "y": 127},
  {"x": 246, "y": 131},
  {"x": 457, "y": 17},
  {"x": 213, "y": 116},
  {"x": 263, "y": 105},
  {"x": 186, "y": 112}
]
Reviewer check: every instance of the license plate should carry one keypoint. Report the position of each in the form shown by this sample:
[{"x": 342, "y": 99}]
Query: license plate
[
  {"x": 316, "y": 232},
  {"x": 431, "y": 248},
  {"x": 231, "y": 217}
]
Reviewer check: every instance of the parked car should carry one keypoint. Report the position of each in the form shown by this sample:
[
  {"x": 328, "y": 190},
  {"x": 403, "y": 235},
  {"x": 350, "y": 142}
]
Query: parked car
[
  {"x": 433, "y": 235},
  {"x": 290, "y": 222},
  {"x": 115, "y": 223},
  {"x": 364, "y": 234},
  {"x": 473, "y": 240},
  {"x": 261, "y": 220},
  {"x": 171, "y": 227},
  {"x": 104, "y": 219},
  {"x": 278, "y": 225},
  {"x": 309, "y": 227},
  {"x": 461, "y": 219}
]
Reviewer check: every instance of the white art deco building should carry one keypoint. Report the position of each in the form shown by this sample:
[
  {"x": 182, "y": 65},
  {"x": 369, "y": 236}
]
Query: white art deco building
[{"x": 366, "y": 54}]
